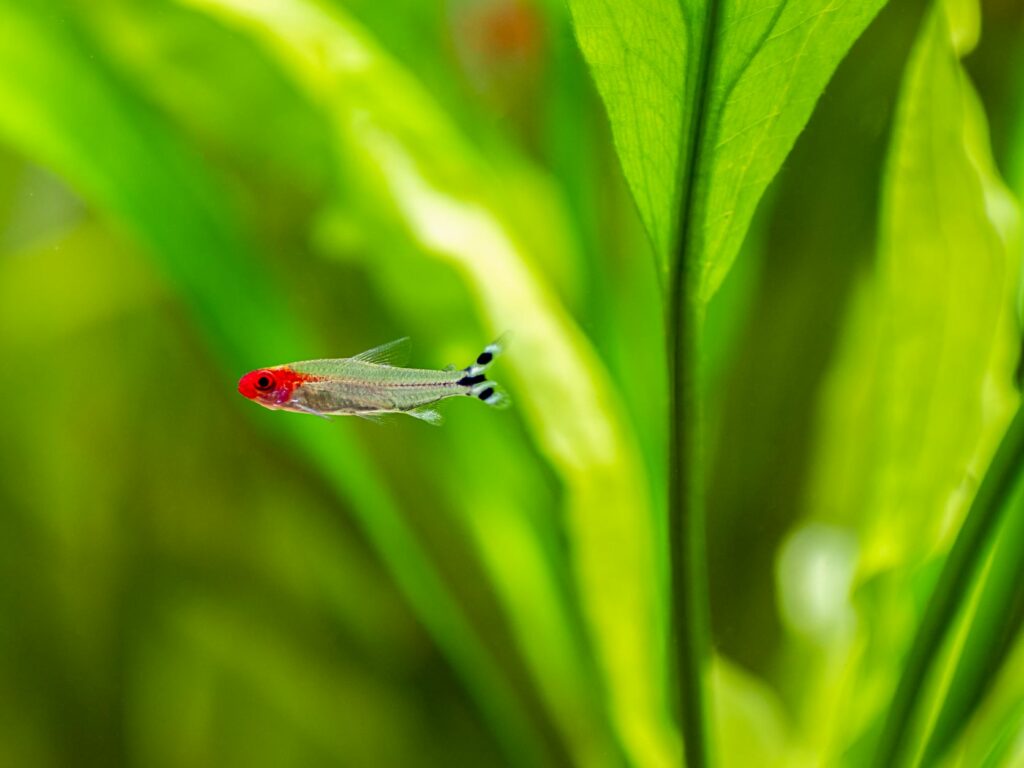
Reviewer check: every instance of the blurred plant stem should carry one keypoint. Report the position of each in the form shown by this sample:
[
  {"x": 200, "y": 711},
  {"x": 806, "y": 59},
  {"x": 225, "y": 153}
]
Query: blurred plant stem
[
  {"x": 687, "y": 525},
  {"x": 964, "y": 559}
]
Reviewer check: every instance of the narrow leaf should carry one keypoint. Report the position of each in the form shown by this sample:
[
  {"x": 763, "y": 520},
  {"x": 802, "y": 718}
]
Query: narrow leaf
[{"x": 994, "y": 612}]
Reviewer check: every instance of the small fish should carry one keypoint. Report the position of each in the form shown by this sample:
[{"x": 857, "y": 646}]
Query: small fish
[{"x": 371, "y": 384}]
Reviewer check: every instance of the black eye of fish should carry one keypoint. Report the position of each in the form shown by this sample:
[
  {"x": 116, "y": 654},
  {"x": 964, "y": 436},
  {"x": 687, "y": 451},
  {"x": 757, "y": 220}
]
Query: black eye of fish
[{"x": 263, "y": 382}]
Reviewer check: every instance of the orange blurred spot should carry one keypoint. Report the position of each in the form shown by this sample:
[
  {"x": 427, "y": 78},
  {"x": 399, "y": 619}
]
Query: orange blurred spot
[{"x": 504, "y": 30}]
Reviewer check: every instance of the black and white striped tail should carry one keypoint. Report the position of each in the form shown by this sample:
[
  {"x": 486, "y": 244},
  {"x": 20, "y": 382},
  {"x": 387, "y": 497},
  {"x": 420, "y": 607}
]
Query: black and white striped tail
[{"x": 475, "y": 378}]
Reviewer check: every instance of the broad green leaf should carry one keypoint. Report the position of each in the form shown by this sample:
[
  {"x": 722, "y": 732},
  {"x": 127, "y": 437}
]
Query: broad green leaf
[
  {"x": 768, "y": 63},
  {"x": 638, "y": 56},
  {"x": 65, "y": 109},
  {"x": 403, "y": 154}
]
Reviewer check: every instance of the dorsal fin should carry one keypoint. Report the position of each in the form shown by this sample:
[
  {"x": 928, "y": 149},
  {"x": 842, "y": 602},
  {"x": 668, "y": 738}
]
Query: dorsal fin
[{"x": 393, "y": 353}]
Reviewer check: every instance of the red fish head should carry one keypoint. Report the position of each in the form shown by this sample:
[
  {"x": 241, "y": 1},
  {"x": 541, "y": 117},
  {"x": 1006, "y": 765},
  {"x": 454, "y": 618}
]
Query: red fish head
[{"x": 264, "y": 386}]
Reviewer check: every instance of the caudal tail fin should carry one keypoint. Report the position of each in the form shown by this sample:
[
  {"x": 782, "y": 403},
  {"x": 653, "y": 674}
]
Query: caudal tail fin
[{"x": 476, "y": 382}]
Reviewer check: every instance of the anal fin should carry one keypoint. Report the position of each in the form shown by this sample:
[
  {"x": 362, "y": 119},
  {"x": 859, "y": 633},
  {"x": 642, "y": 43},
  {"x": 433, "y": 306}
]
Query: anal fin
[{"x": 428, "y": 414}]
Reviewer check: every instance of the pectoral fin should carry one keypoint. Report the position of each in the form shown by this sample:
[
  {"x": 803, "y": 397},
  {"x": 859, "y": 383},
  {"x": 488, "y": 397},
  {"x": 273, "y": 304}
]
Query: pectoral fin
[{"x": 307, "y": 409}]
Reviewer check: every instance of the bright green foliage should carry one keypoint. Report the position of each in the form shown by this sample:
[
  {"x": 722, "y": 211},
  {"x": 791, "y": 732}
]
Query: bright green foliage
[
  {"x": 193, "y": 188},
  {"x": 940, "y": 339},
  {"x": 768, "y": 64}
]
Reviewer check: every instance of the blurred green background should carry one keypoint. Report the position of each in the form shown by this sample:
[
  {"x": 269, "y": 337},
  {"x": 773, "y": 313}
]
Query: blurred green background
[{"x": 189, "y": 190}]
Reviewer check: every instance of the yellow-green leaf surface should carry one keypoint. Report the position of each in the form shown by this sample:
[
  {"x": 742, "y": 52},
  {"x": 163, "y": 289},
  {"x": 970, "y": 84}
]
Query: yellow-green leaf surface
[
  {"x": 948, "y": 269},
  {"x": 768, "y": 62},
  {"x": 400, "y": 149},
  {"x": 67, "y": 110}
]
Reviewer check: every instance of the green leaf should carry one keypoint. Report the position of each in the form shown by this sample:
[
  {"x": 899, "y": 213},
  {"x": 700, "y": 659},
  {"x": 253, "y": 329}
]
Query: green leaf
[
  {"x": 768, "y": 63},
  {"x": 65, "y": 109}
]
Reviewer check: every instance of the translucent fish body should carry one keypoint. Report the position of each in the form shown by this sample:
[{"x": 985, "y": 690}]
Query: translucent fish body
[{"x": 369, "y": 384}]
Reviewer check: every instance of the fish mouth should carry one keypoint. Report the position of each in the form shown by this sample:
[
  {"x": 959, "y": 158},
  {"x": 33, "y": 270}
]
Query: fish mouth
[{"x": 245, "y": 387}]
